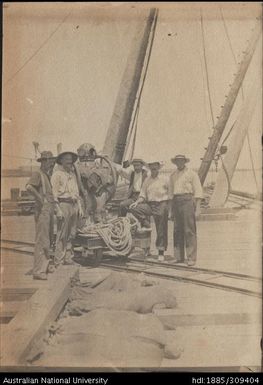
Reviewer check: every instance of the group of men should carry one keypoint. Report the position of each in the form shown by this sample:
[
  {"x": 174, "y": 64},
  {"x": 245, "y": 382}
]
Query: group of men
[
  {"x": 161, "y": 196},
  {"x": 58, "y": 190}
]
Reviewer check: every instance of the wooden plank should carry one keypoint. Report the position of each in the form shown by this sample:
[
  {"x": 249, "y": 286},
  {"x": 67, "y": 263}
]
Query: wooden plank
[
  {"x": 30, "y": 322},
  {"x": 17, "y": 294},
  {"x": 172, "y": 318},
  {"x": 10, "y": 308}
]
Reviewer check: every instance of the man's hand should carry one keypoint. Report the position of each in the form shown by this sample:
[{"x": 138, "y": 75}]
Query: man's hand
[
  {"x": 198, "y": 208},
  {"x": 126, "y": 164},
  {"x": 133, "y": 205},
  {"x": 59, "y": 214},
  {"x": 81, "y": 212}
]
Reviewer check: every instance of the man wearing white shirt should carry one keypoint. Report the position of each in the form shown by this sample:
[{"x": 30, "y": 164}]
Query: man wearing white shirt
[
  {"x": 136, "y": 174},
  {"x": 185, "y": 193},
  {"x": 66, "y": 190},
  {"x": 153, "y": 201}
]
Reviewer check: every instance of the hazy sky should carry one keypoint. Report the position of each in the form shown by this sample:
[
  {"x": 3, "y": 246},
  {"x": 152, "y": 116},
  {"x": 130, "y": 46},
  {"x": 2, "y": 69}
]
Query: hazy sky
[{"x": 66, "y": 92}]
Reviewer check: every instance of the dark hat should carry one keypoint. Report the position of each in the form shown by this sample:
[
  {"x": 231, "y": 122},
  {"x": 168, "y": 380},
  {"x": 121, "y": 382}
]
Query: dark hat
[
  {"x": 178, "y": 157},
  {"x": 74, "y": 156},
  {"x": 46, "y": 155}
]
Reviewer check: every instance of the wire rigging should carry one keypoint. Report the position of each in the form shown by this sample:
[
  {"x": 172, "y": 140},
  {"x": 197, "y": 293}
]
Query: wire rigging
[
  {"x": 38, "y": 49},
  {"x": 206, "y": 69}
]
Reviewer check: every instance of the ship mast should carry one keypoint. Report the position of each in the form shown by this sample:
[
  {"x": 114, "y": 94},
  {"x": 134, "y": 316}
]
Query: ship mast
[
  {"x": 116, "y": 138},
  {"x": 238, "y": 135},
  {"x": 229, "y": 104}
]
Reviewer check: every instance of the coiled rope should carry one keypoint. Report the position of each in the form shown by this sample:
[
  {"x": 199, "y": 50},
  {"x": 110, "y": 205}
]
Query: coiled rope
[{"x": 116, "y": 233}]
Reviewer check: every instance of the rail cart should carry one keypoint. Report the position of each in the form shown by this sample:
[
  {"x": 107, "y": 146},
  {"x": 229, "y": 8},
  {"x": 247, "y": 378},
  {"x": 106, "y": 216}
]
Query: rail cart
[{"x": 93, "y": 246}]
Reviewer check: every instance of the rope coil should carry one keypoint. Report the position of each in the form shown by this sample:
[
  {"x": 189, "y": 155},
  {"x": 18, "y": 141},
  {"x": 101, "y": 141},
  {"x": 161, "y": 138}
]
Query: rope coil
[{"x": 116, "y": 233}]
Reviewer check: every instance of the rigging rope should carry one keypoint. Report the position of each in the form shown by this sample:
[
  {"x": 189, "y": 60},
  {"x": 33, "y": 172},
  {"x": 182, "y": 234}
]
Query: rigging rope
[
  {"x": 206, "y": 69},
  {"x": 38, "y": 49},
  {"x": 135, "y": 133}
]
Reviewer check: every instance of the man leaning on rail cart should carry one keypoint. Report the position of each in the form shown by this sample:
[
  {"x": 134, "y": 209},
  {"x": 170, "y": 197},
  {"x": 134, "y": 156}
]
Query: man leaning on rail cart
[{"x": 66, "y": 190}]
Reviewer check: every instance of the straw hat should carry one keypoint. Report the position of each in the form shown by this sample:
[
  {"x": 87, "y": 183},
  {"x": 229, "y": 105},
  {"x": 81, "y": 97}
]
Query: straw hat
[{"x": 180, "y": 157}]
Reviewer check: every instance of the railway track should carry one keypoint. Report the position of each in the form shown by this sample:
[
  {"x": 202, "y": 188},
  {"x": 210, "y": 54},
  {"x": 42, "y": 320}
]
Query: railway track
[{"x": 217, "y": 279}]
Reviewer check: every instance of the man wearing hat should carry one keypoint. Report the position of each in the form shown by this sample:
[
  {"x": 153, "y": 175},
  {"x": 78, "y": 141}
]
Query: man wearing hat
[
  {"x": 185, "y": 193},
  {"x": 136, "y": 176},
  {"x": 153, "y": 201},
  {"x": 40, "y": 187},
  {"x": 66, "y": 190}
]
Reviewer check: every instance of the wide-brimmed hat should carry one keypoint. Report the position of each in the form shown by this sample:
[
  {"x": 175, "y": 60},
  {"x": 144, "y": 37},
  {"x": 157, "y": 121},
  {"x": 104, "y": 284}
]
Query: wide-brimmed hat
[
  {"x": 46, "y": 155},
  {"x": 160, "y": 163},
  {"x": 74, "y": 156},
  {"x": 137, "y": 160},
  {"x": 180, "y": 157}
]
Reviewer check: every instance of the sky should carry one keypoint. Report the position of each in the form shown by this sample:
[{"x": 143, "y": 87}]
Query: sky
[{"x": 63, "y": 65}]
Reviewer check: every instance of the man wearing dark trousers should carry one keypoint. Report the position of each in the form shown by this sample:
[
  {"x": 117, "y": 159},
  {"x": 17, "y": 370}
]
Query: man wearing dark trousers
[
  {"x": 153, "y": 201},
  {"x": 136, "y": 176},
  {"x": 185, "y": 193}
]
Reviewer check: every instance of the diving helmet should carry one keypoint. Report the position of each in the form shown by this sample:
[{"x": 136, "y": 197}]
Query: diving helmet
[{"x": 86, "y": 151}]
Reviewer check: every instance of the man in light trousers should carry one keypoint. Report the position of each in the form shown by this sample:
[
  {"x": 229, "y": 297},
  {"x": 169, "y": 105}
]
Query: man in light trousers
[
  {"x": 39, "y": 186},
  {"x": 66, "y": 191}
]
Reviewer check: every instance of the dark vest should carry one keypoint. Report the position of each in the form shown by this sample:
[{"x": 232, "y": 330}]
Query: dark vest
[{"x": 144, "y": 176}]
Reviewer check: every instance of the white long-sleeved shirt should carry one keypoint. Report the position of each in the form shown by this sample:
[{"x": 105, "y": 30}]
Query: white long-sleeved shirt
[
  {"x": 185, "y": 181},
  {"x": 64, "y": 184},
  {"x": 155, "y": 189}
]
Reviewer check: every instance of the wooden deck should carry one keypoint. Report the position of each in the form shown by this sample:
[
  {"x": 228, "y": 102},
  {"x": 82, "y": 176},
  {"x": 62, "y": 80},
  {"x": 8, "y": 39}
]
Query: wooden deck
[
  {"x": 215, "y": 329},
  {"x": 27, "y": 305}
]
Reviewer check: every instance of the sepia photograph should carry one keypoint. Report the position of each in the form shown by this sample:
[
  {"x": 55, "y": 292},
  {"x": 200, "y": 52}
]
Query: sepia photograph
[{"x": 131, "y": 187}]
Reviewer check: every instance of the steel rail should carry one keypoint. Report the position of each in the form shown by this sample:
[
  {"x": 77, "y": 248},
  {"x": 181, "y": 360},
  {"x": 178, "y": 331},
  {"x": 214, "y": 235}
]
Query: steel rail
[{"x": 179, "y": 278}]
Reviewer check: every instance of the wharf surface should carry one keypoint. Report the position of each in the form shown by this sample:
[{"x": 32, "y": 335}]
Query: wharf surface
[{"x": 215, "y": 329}]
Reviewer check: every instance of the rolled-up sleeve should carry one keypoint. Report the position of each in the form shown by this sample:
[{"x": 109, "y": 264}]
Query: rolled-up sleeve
[
  {"x": 198, "y": 190},
  {"x": 123, "y": 172}
]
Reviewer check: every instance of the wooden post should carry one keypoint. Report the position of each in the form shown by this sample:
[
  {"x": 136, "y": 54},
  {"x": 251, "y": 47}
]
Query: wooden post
[
  {"x": 238, "y": 135},
  {"x": 229, "y": 103},
  {"x": 116, "y": 137}
]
